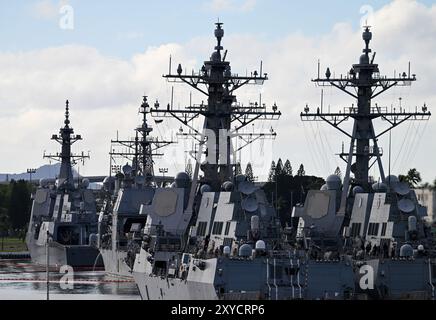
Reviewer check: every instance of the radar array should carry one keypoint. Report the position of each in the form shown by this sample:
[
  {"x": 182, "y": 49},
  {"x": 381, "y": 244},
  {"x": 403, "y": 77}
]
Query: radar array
[{"x": 364, "y": 83}]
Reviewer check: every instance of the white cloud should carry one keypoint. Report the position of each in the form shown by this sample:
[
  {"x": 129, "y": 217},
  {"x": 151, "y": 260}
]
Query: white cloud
[
  {"x": 105, "y": 92},
  {"x": 231, "y": 5}
]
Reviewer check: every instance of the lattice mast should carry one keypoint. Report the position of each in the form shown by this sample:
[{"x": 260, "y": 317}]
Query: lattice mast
[
  {"x": 367, "y": 83},
  {"x": 141, "y": 150},
  {"x": 66, "y": 139},
  {"x": 221, "y": 112}
]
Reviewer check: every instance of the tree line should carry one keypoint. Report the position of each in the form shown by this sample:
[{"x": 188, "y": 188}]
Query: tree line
[
  {"x": 284, "y": 189},
  {"x": 15, "y": 206}
]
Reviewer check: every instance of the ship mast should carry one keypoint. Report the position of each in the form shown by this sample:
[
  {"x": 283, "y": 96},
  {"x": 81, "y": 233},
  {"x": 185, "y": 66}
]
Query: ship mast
[
  {"x": 66, "y": 139},
  {"x": 367, "y": 83},
  {"x": 220, "y": 113},
  {"x": 143, "y": 148}
]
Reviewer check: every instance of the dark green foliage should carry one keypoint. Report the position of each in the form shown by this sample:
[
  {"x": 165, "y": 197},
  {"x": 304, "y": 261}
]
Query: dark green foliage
[
  {"x": 285, "y": 191},
  {"x": 15, "y": 205},
  {"x": 301, "y": 172},
  {"x": 272, "y": 172},
  {"x": 288, "y": 168},
  {"x": 279, "y": 168},
  {"x": 290, "y": 191},
  {"x": 413, "y": 178},
  {"x": 249, "y": 172},
  {"x": 238, "y": 169},
  {"x": 338, "y": 172}
]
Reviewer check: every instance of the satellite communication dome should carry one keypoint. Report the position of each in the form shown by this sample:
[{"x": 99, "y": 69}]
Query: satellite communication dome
[
  {"x": 406, "y": 251},
  {"x": 406, "y": 205},
  {"x": 109, "y": 183},
  {"x": 245, "y": 250},
  {"x": 227, "y": 186},
  {"x": 358, "y": 189},
  {"x": 240, "y": 178},
  {"x": 173, "y": 185},
  {"x": 127, "y": 169},
  {"x": 324, "y": 188},
  {"x": 402, "y": 188},
  {"x": 379, "y": 187},
  {"x": 250, "y": 204},
  {"x": 227, "y": 250},
  {"x": 85, "y": 183},
  {"x": 205, "y": 188},
  {"x": 182, "y": 180},
  {"x": 392, "y": 179},
  {"x": 246, "y": 187},
  {"x": 334, "y": 182},
  {"x": 43, "y": 183},
  {"x": 421, "y": 248},
  {"x": 260, "y": 245}
]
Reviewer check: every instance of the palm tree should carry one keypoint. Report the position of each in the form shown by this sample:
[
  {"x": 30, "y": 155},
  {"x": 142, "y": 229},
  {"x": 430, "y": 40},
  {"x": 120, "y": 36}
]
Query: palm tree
[{"x": 413, "y": 178}]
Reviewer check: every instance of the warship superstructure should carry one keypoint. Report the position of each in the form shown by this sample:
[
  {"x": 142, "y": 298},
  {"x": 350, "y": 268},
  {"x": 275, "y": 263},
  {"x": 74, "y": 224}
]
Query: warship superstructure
[
  {"x": 216, "y": 236},
  {"x": 64, "y": 215},
  {"x": 380, "y": 224},
  {"x": 133, "y": 185}
]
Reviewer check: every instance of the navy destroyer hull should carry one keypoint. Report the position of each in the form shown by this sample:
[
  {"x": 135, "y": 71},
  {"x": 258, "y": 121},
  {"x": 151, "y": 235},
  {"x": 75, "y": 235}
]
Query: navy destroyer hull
[
  {"x": 241, "y": 279},
  {"x": 62, "y": 255},
  {"x": 402, "y": 279}
]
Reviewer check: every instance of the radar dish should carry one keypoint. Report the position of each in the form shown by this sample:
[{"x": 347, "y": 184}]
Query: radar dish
[
  {"x": 246, "y": 187},
  {"x": 250, "y": 205},
  {"x": 402, "y": 188},
  {"x": 127, "y": 169},
  {"x": 406, "y": 205}
]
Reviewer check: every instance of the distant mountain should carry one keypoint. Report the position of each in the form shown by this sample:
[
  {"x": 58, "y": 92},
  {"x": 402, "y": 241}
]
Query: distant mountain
[{"x": 44, "y": 172}]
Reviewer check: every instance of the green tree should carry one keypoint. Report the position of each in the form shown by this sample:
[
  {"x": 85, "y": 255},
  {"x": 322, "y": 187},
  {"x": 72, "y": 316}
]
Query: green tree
[
  {"x": 20, "y": 203},
  {"x": 279, "y": 168},
  {"x": 413, "y": 178},
  {"x": 338, "y": 172},
  {"x": 301, "y": 172},
  {"x": 272, "y": 172},
  {"x": 238, "y": 169},
  {"x": 288, "y": 168},
  {"x": 249, "y": 172}
]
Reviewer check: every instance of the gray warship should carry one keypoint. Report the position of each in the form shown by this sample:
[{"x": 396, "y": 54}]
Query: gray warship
[
  {"x": 64, "y": 214},
  {"x": 215, "y": 236},
  {"x": 120, "y": 223},
  {"x": 379, "y": 224}
]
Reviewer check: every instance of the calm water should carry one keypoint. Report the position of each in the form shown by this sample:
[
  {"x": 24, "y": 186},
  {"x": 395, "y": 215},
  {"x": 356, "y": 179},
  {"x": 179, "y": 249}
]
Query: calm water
[{"x": 20, "y": 280}]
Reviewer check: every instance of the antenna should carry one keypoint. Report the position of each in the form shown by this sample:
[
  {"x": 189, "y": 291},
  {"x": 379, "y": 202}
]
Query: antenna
[{"x": 364, "y": 151}]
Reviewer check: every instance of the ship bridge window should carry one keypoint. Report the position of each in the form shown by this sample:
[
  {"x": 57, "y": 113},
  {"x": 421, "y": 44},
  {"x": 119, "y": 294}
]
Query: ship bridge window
[
  {"x": 201, "y": 229},
  {"x": 226, "y": 233},
  {"x": 355, "y": 230},
  {"x": 384, "y": 228},
  {"x": 373, "y": 229},
  {"x": 217, "y": 228}
]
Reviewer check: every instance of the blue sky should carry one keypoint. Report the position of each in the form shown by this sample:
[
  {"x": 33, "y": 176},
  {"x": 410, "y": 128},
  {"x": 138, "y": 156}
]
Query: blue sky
[
  {"x": 118, "y": 51},
  {"x": 122, "y": 28}
]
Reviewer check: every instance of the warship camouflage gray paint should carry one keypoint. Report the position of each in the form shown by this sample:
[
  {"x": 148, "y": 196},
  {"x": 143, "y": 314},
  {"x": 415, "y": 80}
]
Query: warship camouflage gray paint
[
  {"x": 217, "y": 237},
  {"x": 380, "y": 225},
  {"x": 120, "y": 224},
  {"x": 65, "y": 212}
]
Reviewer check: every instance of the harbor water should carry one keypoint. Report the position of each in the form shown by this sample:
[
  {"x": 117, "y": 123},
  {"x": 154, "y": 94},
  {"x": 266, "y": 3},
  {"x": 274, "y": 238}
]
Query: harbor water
[{"x": 21, "y": 280}]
